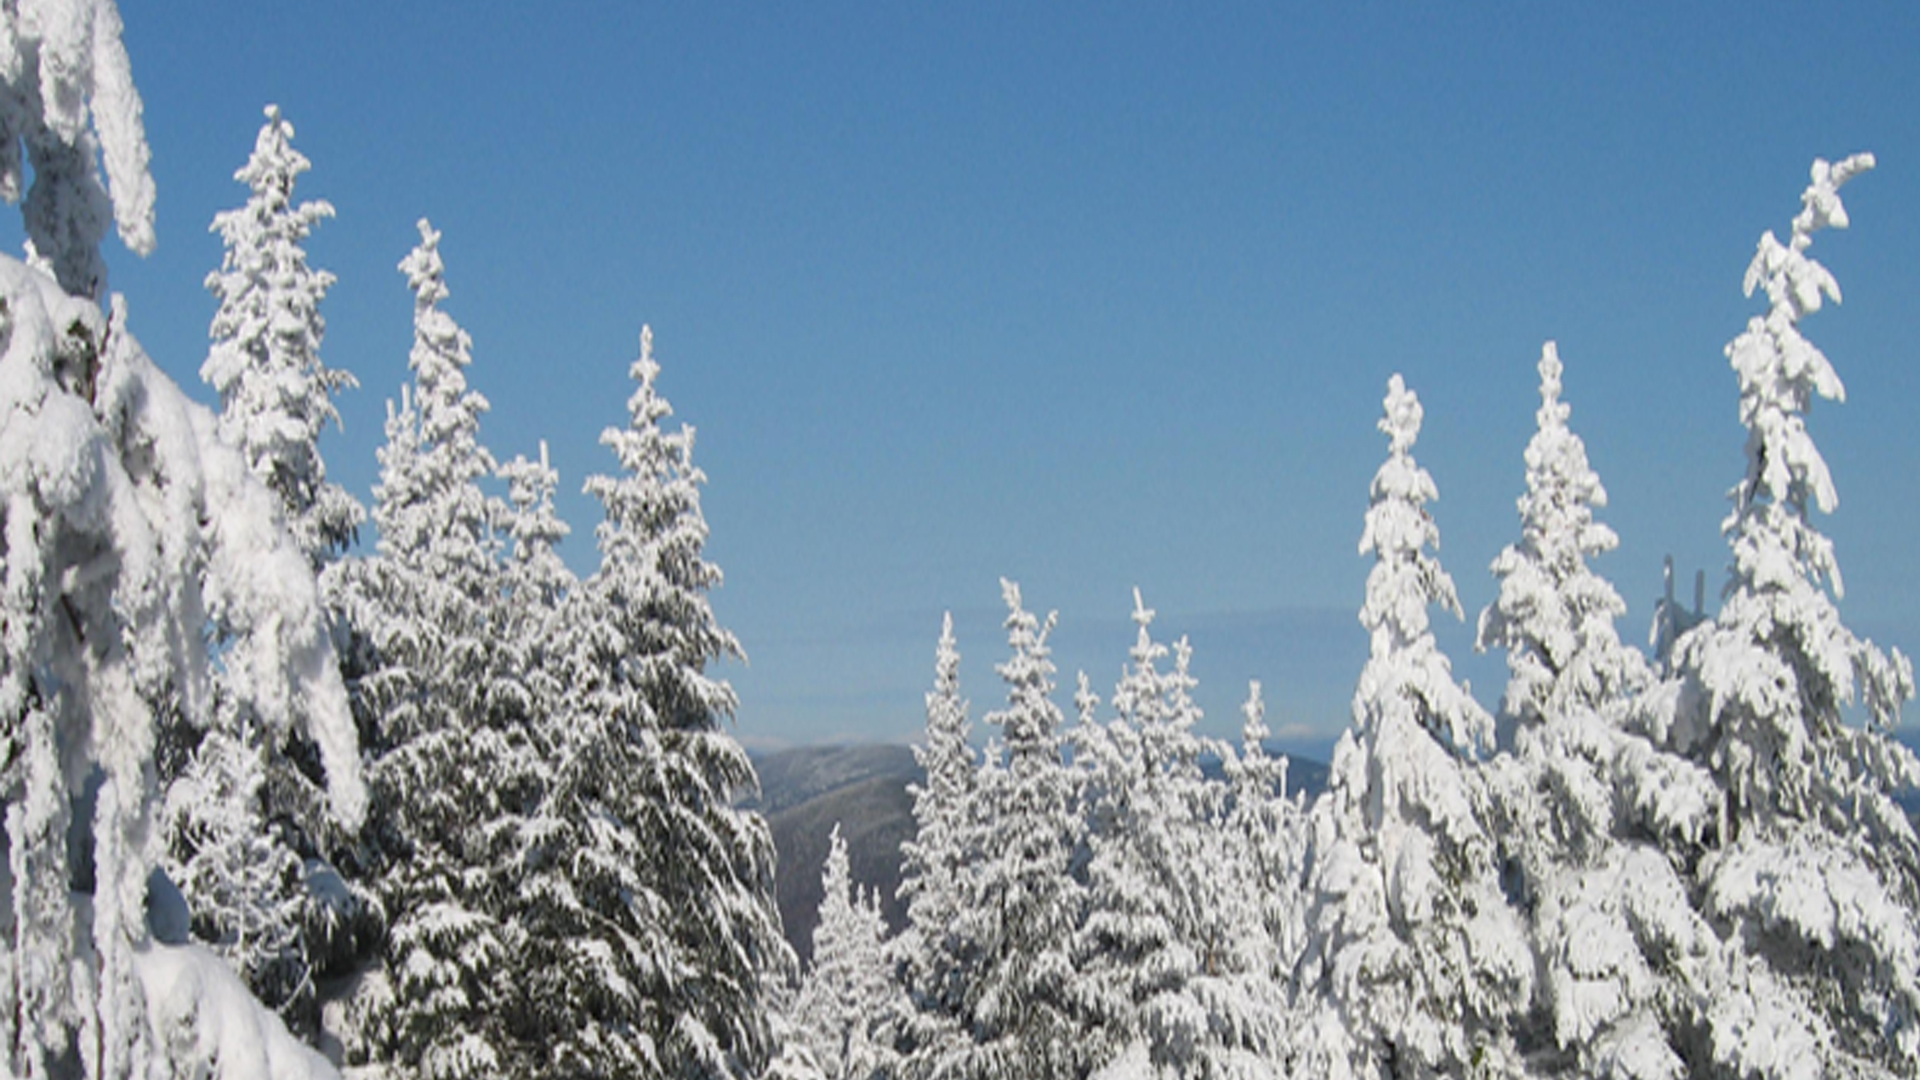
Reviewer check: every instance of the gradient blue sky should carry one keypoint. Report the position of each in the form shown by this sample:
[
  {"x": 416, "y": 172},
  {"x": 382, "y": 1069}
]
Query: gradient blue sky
[{"x": 1091, "y": 296}]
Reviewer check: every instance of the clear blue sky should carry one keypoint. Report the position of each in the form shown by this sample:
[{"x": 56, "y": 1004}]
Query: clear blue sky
[{"x": 1086, "y": 297}]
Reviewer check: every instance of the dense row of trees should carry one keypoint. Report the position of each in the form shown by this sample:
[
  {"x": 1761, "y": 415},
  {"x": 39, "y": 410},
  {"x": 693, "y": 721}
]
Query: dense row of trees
[
  {"x": 436, "y": 804},
  {"x": 552, "y": 873},
  {"x": 1689, "y": 867},
  {"x": 449, "y": 811}
]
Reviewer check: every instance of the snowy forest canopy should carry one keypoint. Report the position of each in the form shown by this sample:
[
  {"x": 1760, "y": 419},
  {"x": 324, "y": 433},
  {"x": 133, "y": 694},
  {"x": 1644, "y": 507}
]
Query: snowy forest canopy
[{"x": 280, "y": 806}]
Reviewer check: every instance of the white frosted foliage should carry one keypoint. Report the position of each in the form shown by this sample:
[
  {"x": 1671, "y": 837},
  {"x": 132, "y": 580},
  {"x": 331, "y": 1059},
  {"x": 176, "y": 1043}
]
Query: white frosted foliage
[
  {"x": 944, "y": 805},
  {"x": 1415, "y": 957},
  {"x": 1812, "y": 881},
  {"x": 276, "y": 394},
  {"x": 848, "y": 998},
  {"x": 1170, "y": 951},
  {"x": 1018, "y": 902},
  {"x": 67, "y": 100},
  {"x": 127, "y": 526},
  {"x": 1554, "y": 615},
  {"x": 672, "y": 875},
  {"x": 1405, "y": 669}
]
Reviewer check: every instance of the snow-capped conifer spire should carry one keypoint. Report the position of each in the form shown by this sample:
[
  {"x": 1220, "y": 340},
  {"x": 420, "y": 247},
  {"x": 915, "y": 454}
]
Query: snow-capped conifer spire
[
  {"x": 1416, "y": 963},
  {"x": 67, "y": 95},
  {"x": 243, "y": 808},
  {"x": 1168, "y": 954},
  {"x": 849, "y": 995},
  {"x": 932, "y": 861},
  {"x": 649, "y": 780},
  {"x": 1019, "y": 904},
  {"x": 1813, "y": 883},
  {"x": 424, "y": 609},
  {"x": 275, "y": 392},
  {"x": 1580, "y": 807},
  {"x": 1405, "y": 669},
  {"x": 1272, "y": 829},
  {"x": 1554, "y": 616}
]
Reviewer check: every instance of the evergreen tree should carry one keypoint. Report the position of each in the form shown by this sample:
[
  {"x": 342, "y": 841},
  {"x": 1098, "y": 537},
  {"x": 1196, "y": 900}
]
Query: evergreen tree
[
  {"x": 944, "y": 808},
  {"x": 849, "y": 995},
  {"x": 1554, "y": 616},
  {"x": 1814, "y": 882},
  {"x": 276, "y": 394},
  {"x": 1417, "y": 965},
  {"x": 657, "y": 905},
  {"x": 1264, "y": 894},
  {"x": 425, "y": 606},
  {"x": 242, "y": 812},
  {"x": 125, "y": 526},
  {"x": 1160, "y": 957},
  {"x": 537, "y": 584},
  {"x": 67, "y": 102},
  {"x": 1586, "y": 808},
  {"x": 1019, "y": 902}
]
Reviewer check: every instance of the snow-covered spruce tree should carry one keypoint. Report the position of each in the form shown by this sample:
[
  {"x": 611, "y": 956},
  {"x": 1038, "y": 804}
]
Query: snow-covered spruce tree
[
  {"x": 1159, "y": 958},
  {"x": 654, "y": 937},
  {"x": 422, "y": 608},
  {"x": 536, "y": 588},
  {"x": 67, "y": 100},
  {"x": 235, "y": 836},
  {"x": 1019, "y": 903},
  {"x": 1417, "y": 965},
  {"x": 849, "y": 996},
  {"x": 125, "y": 525},
  {"x": 1268, "y": 829},
  {"x": 944, "y": 806},
  {"x": 1814, "y": 884},
  {"x": 1586, "y": 810},
  {"x": 276, "y": 394},
  {"x": 1554, "y": 615}
]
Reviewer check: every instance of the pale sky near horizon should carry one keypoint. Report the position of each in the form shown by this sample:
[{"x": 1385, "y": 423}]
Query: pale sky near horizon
[{"x": 1084, "y": 297}]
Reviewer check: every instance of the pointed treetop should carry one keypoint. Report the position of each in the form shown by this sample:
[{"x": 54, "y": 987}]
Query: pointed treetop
[
  {"x": 424, "y": 269},
  {"x": 1550, "y": 372},
  {"x": 1820, "y": 204},
  {"x": 1401, "y": 423},
  {"x": 1780, "y": 371},
  {"x": 946, "y": 665},
  {"x": 646, "y": 406},
  {"x": 1253, "y": 734},
  {"x": 275, "y": 164}
]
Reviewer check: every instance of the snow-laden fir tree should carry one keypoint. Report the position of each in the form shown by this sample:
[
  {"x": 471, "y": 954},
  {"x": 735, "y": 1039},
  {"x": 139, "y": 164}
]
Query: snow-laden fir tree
[
  {"x": 276, "y": 394},
  {"x": 240, "y": 878},
  {"x": 1160, "y": 958},
  {"x": 1417, "y": 964},
  {"x": 423, "y": 610},
  {"x": 1554, "y": 615},
  {"x": 927, "y": 953},
  {"x": 236, "y": 837},
  {"x": 67, "y": 102},
  {"x": 849, "y": 996},
  {"x": 1019, "y": 902},
  {"x": 526, "y": 698},
  {"x": 125, "y": 526},
  {"x": 1266, "y": 831},
  {"x": 654, "y": 929},
  {"x": 537, "y": 584},
  {"x": 1586, "y": 810},
  {"x": 1815, "y": 881}
]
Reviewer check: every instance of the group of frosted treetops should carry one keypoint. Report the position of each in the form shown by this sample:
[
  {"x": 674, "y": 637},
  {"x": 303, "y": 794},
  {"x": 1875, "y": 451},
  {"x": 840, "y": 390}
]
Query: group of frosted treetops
[{"x": 281, "y": 805}]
